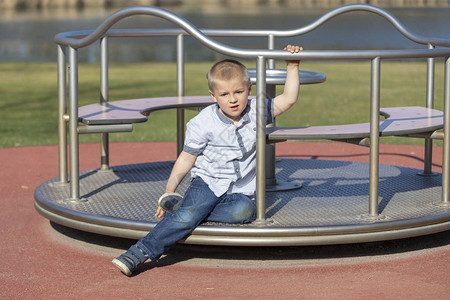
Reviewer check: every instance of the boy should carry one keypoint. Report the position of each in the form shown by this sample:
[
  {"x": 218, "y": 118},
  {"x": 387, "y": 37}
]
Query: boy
[{"x": 220, "y": 151}]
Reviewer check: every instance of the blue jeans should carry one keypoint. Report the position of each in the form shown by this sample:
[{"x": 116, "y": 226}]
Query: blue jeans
[{"x": 199, "y": 204}]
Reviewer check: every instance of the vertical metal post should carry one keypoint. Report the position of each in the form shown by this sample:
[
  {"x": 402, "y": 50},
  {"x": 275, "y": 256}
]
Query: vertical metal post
[
  {"x": 428, "y": 157},
  {"x": 180, "y": 92},
  {"x": 271, "y": 45},
  {"x": 260, "y": 140},
  {"x": 271, "y": 180},
  {"x": 62, "y": 108},
  {"x": 104, "y": 97},
  {"x": 446, "y": 147},
  {"x": 73, "y": 126},
  {"x": 374, "y": 139}
]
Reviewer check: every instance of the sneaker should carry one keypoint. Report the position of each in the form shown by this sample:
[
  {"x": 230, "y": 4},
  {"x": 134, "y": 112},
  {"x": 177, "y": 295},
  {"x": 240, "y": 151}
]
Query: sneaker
[
  {"x": 130, "y": 260},
  {"x": 170, "y": 201}
]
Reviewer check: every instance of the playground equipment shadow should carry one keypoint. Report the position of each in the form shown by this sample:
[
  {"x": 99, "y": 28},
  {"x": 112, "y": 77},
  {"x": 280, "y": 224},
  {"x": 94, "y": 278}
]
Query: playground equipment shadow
[{"x": 46, "y": 260}]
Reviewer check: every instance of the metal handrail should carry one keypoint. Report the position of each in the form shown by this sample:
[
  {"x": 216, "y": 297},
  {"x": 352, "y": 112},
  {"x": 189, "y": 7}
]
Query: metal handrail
[{"x": 79, "y": 39}]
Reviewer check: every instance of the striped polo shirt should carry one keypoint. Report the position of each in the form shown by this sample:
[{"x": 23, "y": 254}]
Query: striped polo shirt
[{"x": 226, "y": 152}]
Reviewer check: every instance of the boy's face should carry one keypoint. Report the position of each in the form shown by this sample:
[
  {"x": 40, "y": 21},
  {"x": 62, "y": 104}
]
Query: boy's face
[{"x": 231, "y": 96}]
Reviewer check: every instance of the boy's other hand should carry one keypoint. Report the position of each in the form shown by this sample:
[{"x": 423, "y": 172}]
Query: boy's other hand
[{"x": 160, "y": 212}]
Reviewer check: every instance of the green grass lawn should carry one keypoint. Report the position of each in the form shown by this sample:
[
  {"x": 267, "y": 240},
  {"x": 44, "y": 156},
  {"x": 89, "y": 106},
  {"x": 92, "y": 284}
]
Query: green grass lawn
[{"x": 28, "y": 96}]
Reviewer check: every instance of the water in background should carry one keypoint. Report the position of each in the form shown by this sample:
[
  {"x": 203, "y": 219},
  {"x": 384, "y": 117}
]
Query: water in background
[{"x": 28, "y": 36}]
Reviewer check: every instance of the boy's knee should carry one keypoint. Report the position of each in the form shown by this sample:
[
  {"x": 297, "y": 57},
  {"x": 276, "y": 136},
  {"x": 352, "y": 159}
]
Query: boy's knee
[
  {"x": 245, "y": 213},
  {"x": 185, "y": 218}
]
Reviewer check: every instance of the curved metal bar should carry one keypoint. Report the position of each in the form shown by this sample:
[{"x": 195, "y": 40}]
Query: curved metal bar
[
  {"x": 373, "y": 9},
  {"x": 81, "y": 39},
  {"x": 138, "y": 10}
]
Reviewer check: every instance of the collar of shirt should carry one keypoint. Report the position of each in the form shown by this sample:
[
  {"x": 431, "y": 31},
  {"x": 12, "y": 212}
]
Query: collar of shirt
[{"x": 244, "y": 117}]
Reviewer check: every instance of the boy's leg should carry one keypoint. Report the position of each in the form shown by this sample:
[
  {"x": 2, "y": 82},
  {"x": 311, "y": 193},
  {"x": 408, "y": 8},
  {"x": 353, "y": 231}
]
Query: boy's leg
[
  {"x": 233, "y": 208},
  {"x": 198, "y": 202}
]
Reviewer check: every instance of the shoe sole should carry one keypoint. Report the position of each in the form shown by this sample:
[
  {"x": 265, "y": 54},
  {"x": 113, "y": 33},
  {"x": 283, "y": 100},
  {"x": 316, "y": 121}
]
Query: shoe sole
[
  {"x": 121, "y": 266},
  {"x": 170, "y": 201}
]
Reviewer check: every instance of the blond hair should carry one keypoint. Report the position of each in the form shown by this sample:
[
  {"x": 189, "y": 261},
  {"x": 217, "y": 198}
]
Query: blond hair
[{"x": 226, "y": 70}]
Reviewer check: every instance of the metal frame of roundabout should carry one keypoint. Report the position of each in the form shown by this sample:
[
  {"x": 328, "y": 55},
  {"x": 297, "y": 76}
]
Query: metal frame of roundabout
[{"x": 299, "y": 202}]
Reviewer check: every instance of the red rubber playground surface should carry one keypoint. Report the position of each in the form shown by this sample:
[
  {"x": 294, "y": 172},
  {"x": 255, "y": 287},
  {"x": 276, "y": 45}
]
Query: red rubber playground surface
[{"x": 43, "y": 260}]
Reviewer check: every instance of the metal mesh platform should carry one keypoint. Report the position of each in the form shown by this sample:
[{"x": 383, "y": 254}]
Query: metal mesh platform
[{"x": 328, "y": 209}]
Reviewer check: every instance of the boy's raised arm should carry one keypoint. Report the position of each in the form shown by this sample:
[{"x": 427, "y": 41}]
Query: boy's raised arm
[{"x": 289, "y": 96}]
